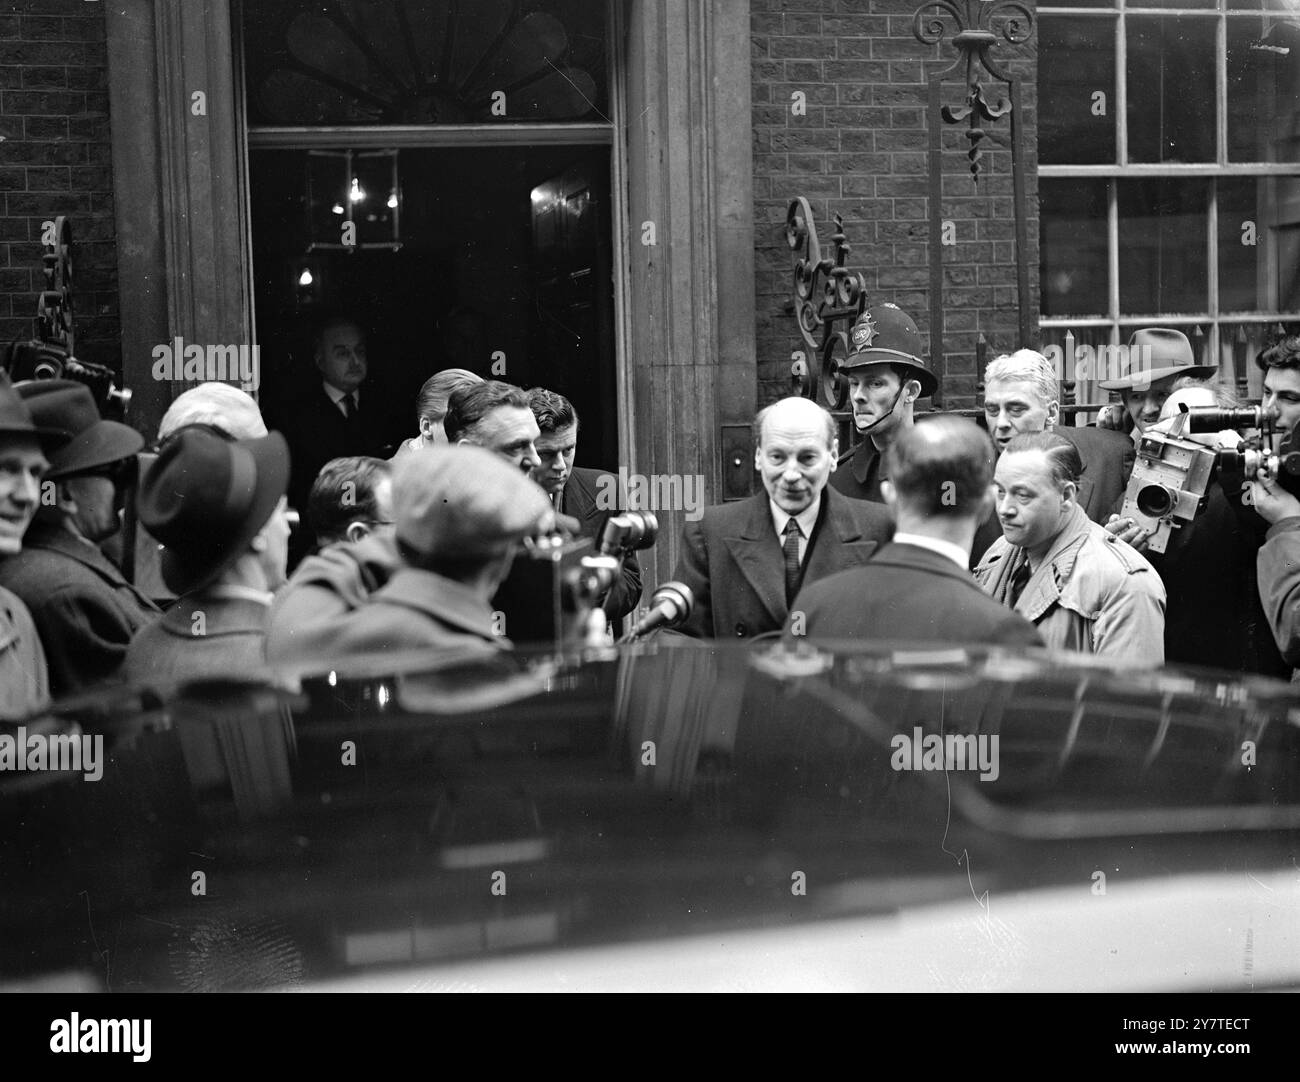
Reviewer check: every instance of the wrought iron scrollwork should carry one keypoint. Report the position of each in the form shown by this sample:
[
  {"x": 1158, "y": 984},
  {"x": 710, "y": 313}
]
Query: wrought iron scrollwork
[
  {"x": 826, "y": 292},
  {"x": 979, "y": 24}
]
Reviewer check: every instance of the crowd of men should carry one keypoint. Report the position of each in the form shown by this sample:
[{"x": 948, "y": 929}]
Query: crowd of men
[{"x": 930, "y": 530}]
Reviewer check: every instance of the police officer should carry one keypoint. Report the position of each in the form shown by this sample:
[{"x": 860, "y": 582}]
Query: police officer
[{"x": 886, "y": 376}]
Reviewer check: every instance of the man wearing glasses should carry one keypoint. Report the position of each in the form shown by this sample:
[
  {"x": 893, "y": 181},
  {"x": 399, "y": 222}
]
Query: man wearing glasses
[{"x": 85, "y": 611}]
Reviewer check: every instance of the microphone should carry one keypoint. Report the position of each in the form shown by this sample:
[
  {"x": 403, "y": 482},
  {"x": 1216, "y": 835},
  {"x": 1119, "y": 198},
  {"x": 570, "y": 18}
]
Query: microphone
[{"x": 670, "y": 605}]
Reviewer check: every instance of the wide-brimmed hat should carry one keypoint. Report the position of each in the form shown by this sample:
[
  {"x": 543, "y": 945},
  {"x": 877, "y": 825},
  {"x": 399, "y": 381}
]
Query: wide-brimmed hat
[
  {"x": 461, "y": 501},
  {"x": 1156, "y": 353},
  {"x": 885, "y": 334},
  {"x": 68, "y": 407},
  {"x": 16, "y": 419},
  {"x": 205, "y": 499}
]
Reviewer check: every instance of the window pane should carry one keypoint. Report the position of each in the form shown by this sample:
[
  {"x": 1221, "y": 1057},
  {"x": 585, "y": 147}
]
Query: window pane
[
  {"x": 1171, "y": 89},
  {"x": 1239, "y": 345},
  {"x": 1087, "y": 348},
  {"x": 1243, "y": 245},
  {"x": 1162, "y": 245},
  {"x": 431, "y": 62},
  {"x": 1076, "y": 125},
  {"x": 1263, "y": 91},
  {"x": 1261, "y": 5},
  {"x": 1208, "y": 4},
  {"x": 1072, "y": 246}
]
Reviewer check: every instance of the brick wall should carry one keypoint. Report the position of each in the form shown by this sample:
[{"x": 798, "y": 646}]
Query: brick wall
[
  {"x": 860, "y": 151},
  {"x": 55, "y": 159}
]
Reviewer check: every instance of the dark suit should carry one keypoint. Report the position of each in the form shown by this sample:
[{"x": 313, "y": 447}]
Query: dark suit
[
  {"x": 909, "y": 594},
  {"x": 525, "y": 596},
  {"x": 317, "y": 431},
  {"x": 581, "y": 499},
  {"x": 732, "y": 560},
  {"x": 84, "y": 609},
  {"x": 1107, "y": 458},
  {"x": 857, "y": 473}
]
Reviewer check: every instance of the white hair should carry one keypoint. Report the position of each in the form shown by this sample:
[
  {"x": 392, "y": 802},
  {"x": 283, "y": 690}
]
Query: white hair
[
  {"x": 219, "y": 405},
  {"x": 1025, "y": 366}
]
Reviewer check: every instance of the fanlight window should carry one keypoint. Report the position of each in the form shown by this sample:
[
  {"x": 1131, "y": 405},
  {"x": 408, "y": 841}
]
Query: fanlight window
[{"x": 313, "y": 62}]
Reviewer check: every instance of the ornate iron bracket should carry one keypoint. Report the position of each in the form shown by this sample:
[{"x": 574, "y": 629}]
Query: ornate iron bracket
[
  {"x": 979, "y": 25},
  {"x": 825, "y": 292}
]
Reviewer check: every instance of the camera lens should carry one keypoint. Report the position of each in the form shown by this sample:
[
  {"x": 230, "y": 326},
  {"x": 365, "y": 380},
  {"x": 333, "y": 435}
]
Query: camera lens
[{"x": 1155, "y": 500}]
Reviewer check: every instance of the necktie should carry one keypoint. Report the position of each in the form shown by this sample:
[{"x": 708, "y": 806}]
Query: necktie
[
  {"x": 349, "y": 406},
  {"x": 791, "y": 549},
  {"x": 1019, "y": 577}
]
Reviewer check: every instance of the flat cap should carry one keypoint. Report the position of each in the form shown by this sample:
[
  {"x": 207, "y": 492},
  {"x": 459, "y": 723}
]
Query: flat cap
[{"x": 461, "y": 501}]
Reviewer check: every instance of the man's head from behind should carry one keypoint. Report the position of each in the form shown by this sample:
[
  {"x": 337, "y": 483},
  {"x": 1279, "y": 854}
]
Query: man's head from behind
[
  {"x": 1020, "y": 395},
  {"x": 219, "y": 510},
  {"x": 431, "y": 406},
  {"x": 350, "y": 499},
  {"x": 1036, "y": 483},
  {"x": 795, "y": 453},
  {"x": 495, "y": 416},
  {"x": 558, "y": 443},
  {"x": 939, "y": 470},
  {"x": 218, "y": 405},
  {"x": 461, "y": 511},
  {"x": 340, "y": 353},
  {"x": 1281, "y": 365}
]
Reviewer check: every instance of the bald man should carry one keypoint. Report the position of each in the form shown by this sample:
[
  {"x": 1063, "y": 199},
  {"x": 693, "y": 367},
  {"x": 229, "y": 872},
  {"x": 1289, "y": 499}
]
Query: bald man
[
  {"x": 745, "y": 561},
  {"x": 918, "y": 590}
]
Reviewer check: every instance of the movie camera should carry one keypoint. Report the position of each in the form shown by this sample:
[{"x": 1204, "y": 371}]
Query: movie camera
[{"x": 1174, "y": 469}]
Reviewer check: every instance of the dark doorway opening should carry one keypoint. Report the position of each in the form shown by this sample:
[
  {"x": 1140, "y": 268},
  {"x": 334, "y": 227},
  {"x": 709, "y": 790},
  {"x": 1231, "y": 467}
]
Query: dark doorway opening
[{"x": 495, "y": 259}]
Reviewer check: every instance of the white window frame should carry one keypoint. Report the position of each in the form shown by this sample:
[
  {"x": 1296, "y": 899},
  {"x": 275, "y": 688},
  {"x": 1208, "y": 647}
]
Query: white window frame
[{"x": 1211, "y": 320}]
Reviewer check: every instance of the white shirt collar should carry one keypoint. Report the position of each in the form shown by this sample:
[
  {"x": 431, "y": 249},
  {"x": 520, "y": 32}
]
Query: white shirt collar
[
  {"x": 337, "y": 396},
  {"x": 807, "y": 518},
  {"x": 234, "y": 591},
  {"x": 944, "y": 548}
]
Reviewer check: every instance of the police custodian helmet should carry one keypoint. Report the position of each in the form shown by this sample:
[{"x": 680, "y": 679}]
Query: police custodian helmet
[{"x": 885, "y": 334}]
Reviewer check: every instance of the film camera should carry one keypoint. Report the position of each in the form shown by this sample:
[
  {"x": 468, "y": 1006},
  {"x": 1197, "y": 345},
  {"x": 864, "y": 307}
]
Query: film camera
[
  {"x": 581, "y": 571},
  {"x": 50, "y": 354},
  {"x": 1173, "y": 471}
]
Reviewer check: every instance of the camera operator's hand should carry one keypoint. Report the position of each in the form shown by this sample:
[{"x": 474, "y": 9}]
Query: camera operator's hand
[
  {"x": 1114, "y": 417},
  {"x": 1270, "y": 499},
  {"x": 1128, "y": 531}
]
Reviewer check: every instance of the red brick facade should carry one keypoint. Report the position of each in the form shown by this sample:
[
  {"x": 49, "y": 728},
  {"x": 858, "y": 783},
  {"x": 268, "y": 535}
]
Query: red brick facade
[
  {"x": 860, "y": 150},
  {"x": 55, "y": 159}
]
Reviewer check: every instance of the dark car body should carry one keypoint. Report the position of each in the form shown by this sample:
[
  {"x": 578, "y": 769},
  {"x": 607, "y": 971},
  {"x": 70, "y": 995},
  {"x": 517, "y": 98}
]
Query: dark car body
[{"x": 670, "y": 815}]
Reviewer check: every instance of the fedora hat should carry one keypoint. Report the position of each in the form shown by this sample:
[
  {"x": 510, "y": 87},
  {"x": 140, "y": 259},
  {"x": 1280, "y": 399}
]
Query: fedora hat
[
  {"x": 205, "y": 498},
  {"x": 1156, "y": 353},
  {"x": 885, "y": 334},
  {"x": 68, "y": 407},
  {"x": 16, "y": 419},
  {"x": 463, "y": 501}
]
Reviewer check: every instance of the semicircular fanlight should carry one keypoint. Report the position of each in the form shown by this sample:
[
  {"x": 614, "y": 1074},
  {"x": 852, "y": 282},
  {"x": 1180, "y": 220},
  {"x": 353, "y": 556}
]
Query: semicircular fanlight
[{"x": 421, "y": 62}]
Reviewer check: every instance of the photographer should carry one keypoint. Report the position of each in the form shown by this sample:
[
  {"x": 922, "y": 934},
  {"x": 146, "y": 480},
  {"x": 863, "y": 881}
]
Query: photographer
[
  {"x": 1214, "y": 616},
  {"x": 1277, "y": 568}
]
